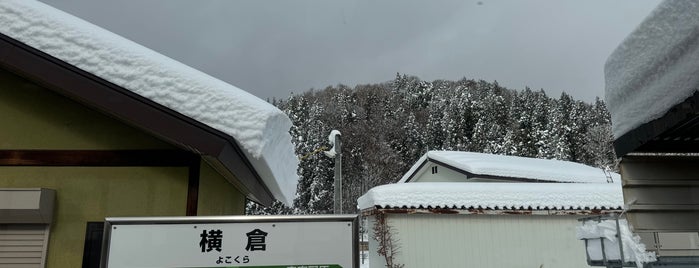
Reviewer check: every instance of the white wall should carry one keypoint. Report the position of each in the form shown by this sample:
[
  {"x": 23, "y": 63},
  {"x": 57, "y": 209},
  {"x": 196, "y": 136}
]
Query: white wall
[
  {"x": 443, "y": 174},
  {"x": 434, "y": 240}
]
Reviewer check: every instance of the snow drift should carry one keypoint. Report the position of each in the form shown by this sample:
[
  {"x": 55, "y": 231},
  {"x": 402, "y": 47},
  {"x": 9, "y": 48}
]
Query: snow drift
[{"x": 605, "y": 232}]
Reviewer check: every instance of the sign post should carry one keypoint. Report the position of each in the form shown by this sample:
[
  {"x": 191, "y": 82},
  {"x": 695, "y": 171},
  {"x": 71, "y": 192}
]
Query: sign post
[{"x": 323, "y": 241}]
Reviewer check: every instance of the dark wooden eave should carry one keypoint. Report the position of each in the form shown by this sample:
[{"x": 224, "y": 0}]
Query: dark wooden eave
[
  {"x": 133, "y": 109},
  {"x": 98, "y": 158},
  {"x": 113, "y": 158},
  {"x": 676, "y": 132}
]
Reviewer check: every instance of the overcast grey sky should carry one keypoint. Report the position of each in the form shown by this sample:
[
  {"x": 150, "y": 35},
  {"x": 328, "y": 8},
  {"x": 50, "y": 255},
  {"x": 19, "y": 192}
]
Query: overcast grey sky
[{"x": 271, "y": 48}]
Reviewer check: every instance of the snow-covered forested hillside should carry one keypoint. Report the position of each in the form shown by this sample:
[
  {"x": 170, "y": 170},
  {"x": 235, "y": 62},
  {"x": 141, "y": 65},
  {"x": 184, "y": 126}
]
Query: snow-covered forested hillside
[{"x": 387, "y": 127}]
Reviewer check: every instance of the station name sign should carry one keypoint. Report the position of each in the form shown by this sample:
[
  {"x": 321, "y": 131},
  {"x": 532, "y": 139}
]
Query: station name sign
[{"x": 325, "y": 241}]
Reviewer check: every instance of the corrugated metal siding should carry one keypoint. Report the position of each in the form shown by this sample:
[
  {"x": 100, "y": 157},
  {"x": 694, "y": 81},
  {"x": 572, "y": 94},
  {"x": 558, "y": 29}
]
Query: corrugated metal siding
[
  {"x": 432, "y": 240},
  {"x": 23, "y": 245},
  {"x": 671, "y": 244}
]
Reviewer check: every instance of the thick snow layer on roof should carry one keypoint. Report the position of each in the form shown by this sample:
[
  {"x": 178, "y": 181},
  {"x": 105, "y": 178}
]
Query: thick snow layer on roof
[
  {"x": 494, "y": 195},
  {"x": 259, "y": 128},
  {"x": 655, "y": 67},
  {"x": 515, "y": 167}
]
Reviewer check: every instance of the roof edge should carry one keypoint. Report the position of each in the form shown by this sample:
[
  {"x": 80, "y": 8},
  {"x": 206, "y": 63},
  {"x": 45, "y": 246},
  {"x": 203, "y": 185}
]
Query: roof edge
[
  {"x": 421, "y": 162},
  {"x": 645, "y": 138},
  {"x": 487, "y": 211},
  {"x": 142, "y": 113}
]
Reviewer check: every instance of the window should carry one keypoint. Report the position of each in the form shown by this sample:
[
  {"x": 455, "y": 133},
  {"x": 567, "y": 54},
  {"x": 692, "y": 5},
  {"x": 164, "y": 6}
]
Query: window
[{"x": 23, "y": 245}]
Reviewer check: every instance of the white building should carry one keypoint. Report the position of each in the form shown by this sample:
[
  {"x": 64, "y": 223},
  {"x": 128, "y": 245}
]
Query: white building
[
  {"x": 460, "y": 209},
  {"x": 452, "y": 166}
]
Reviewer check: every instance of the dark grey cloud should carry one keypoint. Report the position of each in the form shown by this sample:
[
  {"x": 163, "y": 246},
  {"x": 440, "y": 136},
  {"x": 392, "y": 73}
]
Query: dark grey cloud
[{"x": 271, "y": 48}]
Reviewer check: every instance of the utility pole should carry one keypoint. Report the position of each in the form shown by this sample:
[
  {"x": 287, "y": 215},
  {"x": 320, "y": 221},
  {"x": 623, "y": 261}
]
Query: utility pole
[
  {"x": 336, "y": 152},
  {"x": 338, "y": 175}
]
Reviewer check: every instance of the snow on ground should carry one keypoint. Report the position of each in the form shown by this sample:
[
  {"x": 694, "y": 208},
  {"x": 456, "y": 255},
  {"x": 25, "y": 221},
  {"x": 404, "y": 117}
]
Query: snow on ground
[
  {"x": 489, "y": 195},
  {"x": 364, "y": 259},
  {"x": 260, "y": 128},
  {"x": 605, "y": 232},
  {"x": 655, "y": 67},
  {"x": 514, "y": 166}
]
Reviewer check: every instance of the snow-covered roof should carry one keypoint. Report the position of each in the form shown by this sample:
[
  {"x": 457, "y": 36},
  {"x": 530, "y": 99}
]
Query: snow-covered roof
[
  {"x": 496, "y": 196},
  {"x": 655, "y": 67},
  {"x": 257, "y": 126},
  {"x": 514, "y": 167}
]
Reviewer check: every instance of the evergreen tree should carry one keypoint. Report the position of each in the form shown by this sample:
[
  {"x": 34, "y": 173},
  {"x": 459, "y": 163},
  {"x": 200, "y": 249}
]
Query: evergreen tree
[{"x": 387, "y": 127}]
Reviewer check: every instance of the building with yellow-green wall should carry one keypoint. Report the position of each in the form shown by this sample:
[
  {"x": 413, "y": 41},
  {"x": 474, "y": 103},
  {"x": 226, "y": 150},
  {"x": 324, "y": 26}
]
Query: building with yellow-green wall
[{"x": 76, "y": 148}]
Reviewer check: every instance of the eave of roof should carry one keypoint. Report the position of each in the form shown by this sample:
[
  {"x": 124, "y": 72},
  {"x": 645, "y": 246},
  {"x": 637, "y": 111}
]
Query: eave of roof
[
  {"x": 494, "y": 196},
  {"x": 487, "y": 211},
  {"x": 675, "y": 132},
  {"x": 651, "y": 83},
  {"x": 135, "y": 110}
]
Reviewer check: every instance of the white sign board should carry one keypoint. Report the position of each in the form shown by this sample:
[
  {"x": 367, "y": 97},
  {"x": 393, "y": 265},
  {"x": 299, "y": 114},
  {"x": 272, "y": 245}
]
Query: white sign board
[{"x": 270, "y": 242}]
